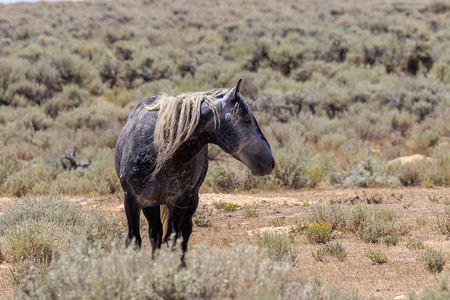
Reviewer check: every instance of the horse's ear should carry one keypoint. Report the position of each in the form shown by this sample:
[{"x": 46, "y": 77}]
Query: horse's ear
[{"x": 233, "y": 92}]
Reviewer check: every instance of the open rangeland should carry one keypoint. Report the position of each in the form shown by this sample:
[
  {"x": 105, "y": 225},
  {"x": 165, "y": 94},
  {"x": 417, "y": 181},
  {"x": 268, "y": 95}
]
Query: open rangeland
[{"x": 287, "y": 212}]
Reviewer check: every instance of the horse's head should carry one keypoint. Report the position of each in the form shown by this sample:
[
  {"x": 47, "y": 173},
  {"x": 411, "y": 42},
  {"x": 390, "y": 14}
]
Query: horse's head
[{"x": 239, "y": 134}]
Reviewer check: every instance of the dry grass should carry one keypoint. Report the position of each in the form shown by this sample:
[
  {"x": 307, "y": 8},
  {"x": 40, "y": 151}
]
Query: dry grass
[{"x": 403, "y": 272}]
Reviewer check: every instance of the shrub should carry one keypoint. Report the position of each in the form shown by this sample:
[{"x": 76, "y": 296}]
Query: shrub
[
  {"x": 438, "y": 171},
  {"x": 72, "y": 69},
  {"x": 229, "y": 207},
  {"x": 110, "y": 71},
  {"x": 83, "y": 272},
  {"x": 201, "y": 220},
  {"x": 433, "y": 260},
  {"x": 45, "y": 73},
  {"x": 277, "y": 222},
  {"x": 443, "y": 223},
  {"x": 71, "y": 182},
  {"x": 424, "y": 140},
  {"x": 32, "y": 91},
  {"x": 315, "y": 176},
  {"x": 440, "y": 292},
  {"x": 103, "y": 178},
  {"x": 36, "y": 231},
  {"x": 333, "y": 214},
  {"x": 336, "y": 249},
  {"x": 319, "y": 233},
  {"x": 410, "y": 174},
  {"x": 371, "y": 233},
  {"x": 442, "y": 72},
  {"x": 428, "y": 183},
  {"x": 221, "y": 180},
  {"x": 371, "y": 224},
  {"x": 28, "y": 246},
  {"x": 289, "y": 172},
  {"x": 32, "y": 52},
  {"x": 390, "y": 240},
  {"x": 368, "y": 174},
  {"x": 278, "y": 245},
  {"x": 356, "y": 217},
  {"x": 376, "y": 256},
  {"x": 414, "y": 244},
  {"x": 433, "y": 198},
  {"x": 29, "y": 179},
  {"x": 251, "y": 211},
  {"x": 332, "y": 142},
  {"x": 8, "y": 166},
  {"x": 71, "y": 97},
  {"x": 123, "y": 50},
  {"x": 320, "y": 253}
]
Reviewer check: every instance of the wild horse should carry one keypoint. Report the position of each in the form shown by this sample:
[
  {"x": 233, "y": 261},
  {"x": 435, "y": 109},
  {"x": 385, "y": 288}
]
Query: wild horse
[{"x": 161, "y": 156}]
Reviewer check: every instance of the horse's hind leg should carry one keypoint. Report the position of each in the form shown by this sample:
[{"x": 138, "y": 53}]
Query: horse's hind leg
[
  {"x": 155, "y": 228},
  {"x": 133, "y": 211}
]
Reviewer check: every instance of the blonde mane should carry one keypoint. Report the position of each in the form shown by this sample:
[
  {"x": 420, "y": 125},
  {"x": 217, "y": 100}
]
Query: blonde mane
[{"x": 177, "y": 120}]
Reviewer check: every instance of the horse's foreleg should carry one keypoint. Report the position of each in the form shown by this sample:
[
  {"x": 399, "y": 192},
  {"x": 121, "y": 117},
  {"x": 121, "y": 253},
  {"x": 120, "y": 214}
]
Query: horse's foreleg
[
  {"x": 186, "y": 222},
  {"x": 132, "y": 210},
  {"x": 155, "y": 228}
]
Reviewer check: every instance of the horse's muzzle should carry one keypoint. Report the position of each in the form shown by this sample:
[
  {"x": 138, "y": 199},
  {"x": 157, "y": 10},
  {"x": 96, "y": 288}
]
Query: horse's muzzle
[{"x": 264, "y": 167}]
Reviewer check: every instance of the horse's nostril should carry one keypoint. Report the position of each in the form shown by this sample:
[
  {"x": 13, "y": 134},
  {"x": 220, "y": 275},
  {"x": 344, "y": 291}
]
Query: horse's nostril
[{"x": 273, "y": 163}]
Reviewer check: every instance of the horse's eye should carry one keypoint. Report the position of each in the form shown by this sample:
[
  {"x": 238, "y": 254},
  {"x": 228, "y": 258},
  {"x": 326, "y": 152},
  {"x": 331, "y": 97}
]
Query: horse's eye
[{"x": 247, "y": 120}]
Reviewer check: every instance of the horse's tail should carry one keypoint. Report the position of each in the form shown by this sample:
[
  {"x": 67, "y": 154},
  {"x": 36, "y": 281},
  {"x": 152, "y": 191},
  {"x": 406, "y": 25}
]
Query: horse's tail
[{"x": 164, "y": 215}]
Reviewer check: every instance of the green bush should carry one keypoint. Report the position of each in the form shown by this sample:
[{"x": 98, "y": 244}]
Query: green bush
[
  {"x": 443, "y": 223},
  {"x": 278, "y": 245},
  {"x": 332, "y": 214},
  {"x": 201, "y": 220},
  {"x": 8, "y": 166},
  {"x": 221, "y": 180},
  {"x": 376, "y": 256},
  {"x": 336, "y": 249},
  {"x": 319, "y": 233},
  {"x": 414, "y": 244},
  {"x": 123, "y": 50},
  {"x": 32, "y": 91},
  {"x": 251, "y": 212},
  {"x": 32, "y": 178},
  {"x": 228, "y": 207},
  {"x": 315, "y": 176},
  {"x": 289, "y": 172},
  {"x": 433, "y": 260},
  {"x": 371, "y": 224},
  {"x": 425, "y": 140},
  {"x": 390, "y": 240},
  {"x": 438, "y": 171},
  {"x": 72, "y": 69},
  {"x": 102, "y": 176}
]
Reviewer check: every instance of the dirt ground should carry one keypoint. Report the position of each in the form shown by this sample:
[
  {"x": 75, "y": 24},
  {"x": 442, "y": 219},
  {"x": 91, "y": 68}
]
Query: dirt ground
[{"x": 280, "y": 211}]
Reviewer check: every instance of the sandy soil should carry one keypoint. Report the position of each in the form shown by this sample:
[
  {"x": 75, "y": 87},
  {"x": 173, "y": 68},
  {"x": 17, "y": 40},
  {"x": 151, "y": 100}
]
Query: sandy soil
[{"x": 402, "y": 274}]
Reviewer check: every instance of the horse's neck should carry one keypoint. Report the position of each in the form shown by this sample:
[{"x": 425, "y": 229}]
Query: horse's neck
[{"x": 203, "y": 135}]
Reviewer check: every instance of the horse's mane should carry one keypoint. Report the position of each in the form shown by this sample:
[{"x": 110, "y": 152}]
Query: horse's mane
[{"x": 177, "y": 120}]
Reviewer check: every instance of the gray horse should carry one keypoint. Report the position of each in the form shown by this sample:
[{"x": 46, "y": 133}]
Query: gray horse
[{"x": 161, "y": 156}]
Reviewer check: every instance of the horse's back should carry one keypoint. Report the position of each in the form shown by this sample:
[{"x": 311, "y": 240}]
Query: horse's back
[{"x": 136, "y": 138}]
